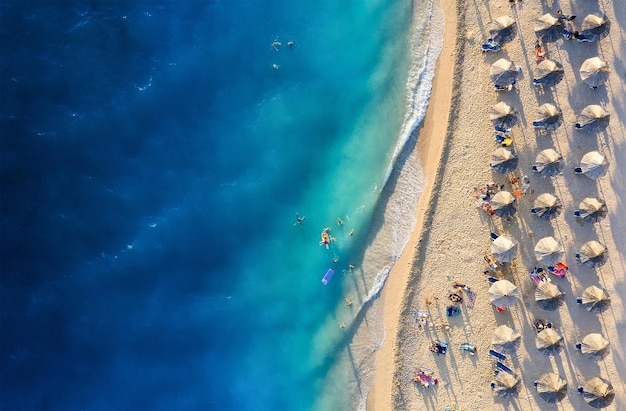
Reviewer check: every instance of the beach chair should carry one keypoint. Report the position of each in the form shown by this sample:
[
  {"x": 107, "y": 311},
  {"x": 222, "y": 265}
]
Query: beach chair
[
  {"x": 502, "y": 130},
  {"x": 497, "y": 355},
  {"x": 490, "y": 46},
  {"x": 585, "y": 39},
  {"x": 468, "y": 347},
  {"x": 503, "y": 367}
]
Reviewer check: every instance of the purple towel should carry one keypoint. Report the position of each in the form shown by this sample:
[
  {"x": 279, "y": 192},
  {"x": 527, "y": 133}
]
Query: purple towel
[{"x": 471, "y": 298}]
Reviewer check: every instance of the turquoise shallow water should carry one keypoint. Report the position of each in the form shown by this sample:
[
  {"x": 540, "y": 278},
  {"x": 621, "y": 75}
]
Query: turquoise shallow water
[{"x": 153, "y": 161}]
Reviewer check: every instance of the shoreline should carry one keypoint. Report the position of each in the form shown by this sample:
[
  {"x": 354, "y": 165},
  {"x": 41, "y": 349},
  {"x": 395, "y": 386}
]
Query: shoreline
[
  {"x": 430, "y": 150},
  {"x": 452, "y": 235}
]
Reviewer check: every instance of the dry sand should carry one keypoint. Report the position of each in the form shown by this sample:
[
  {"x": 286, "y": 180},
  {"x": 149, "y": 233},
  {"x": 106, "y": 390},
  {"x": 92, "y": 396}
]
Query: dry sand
[{"x": 452, "y": 233}]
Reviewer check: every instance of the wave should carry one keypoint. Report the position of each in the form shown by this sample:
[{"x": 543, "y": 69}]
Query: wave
[
  {"x": 419, "y": 82},
  {"x": 401, "y": 207},
  {"x": 419, "y": 88}
]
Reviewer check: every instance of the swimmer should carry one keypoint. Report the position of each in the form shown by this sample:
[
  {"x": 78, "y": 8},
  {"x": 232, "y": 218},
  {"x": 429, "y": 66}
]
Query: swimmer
[
  {"x": 299, "y": 219},
  {"x": 348, "y": 301},
  {"x": 339, "y": 221},
  {"x": 275, "y": 66},
  {"x": 351, "y": 233},
  {"x": 275, "y": 44},
  {"x": 351, "y": 267},
  {"x": 342, "y": 325},
  {"x": 335, "y": 260},
  {"x": 290, "y": 44}
]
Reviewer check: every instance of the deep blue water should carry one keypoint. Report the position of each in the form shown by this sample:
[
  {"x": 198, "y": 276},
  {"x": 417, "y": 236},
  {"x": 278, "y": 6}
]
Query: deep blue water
[{"x": 152, "y": 161}]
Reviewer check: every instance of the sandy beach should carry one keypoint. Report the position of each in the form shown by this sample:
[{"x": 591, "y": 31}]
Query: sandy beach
[{"x": 452, "y": 235}]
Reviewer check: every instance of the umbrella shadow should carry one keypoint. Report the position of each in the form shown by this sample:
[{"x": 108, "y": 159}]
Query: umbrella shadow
[{"x": 610, "y": 261}]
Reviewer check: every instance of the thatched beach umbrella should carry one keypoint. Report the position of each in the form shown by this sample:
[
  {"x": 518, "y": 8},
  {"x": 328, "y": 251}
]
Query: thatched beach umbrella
[
  {"x": 594, "y": 72},
  {"x": 503, "y": 204},
  {"x": 591, "y": 210},
  {"x": 504, "y": 248},
  {"x": 593, "y": 165},
  {"x": 504, "y": 160},
  {"x": 592, "y": 254},
  {"x": 595, "y": 299},
  {"x": 503, "y": 72},
  {"x": 549, "y": 73},
  {"x": 595, "y": 27},
  {"x": 549, "y": 251},
  {"x": 593, "y": 118},
  {"x": 503, "y": 29},
  {"x": 503, "y": 116},
  {"x": 548, "y": 117},
  {"x": 505, "y": 339},
  {"x": 548, "y": 163},
  {"x": 548, "y": 296},
  {"x": 505, "y": 384},
  {"x": 546, "y": 206},
  {"x": 548, "y": 341},
  {"x": 503, "y": 294},
  {"x": 551, "y": 387},
  {"x": 597, "y": 392},
  {"x": 548, "y": 28},
  {"x": 594, "y": 346}
]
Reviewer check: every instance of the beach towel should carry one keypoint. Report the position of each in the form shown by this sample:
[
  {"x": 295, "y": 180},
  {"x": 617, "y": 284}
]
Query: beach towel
[{"x": 471, "y": 298}]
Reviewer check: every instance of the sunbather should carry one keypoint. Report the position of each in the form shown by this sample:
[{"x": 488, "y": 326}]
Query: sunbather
[
  {"x": 541, "y": 325},
  {"x": 439, "y": 347},
  {"x": 455, "y": 298}
]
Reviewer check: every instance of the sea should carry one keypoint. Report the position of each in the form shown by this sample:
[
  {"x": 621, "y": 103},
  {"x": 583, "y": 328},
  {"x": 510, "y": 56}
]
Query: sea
[{"x": 167, "y": 169}]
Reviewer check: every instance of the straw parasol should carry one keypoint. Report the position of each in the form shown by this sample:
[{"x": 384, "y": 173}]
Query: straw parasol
[
  {"x": 593, "y": 165},
  {"x": 502, "y": 204},
  {"x": 504, "y": 160},
  {"x": 595, "y": 27},
  {"x": 505, "y": 339},
  {"x": 594, "y": 346},
  {"x": 503, "y": 29},
  {"x": 548, "y": 341},
  {"x": 548, "y": 117},
  {"x": 598, "y": 392},
  {"x": 549, "y": 251},
  {"x": 546, "y": 206},
  {"x": 549, "y": 73},
  {"x": 594, "y": 72},
  {"x": 503, "y": 294},
  {"x": 593, "y": 118},
  {"x": 502, "y": 115},
  {"x": 591, "y": 210},
  {"x": 548, "y": 28},
  {"x": 504, "y": 248},
  {"x": 595, "y": 299},
  {"x": 503, "y": 72},
  {"x": 551, "y": 387},
  {"x": 548, "y": 163},
  {"x": 592, "y": 254},
  {"x": 505, "y": 384},
  {"x": 548, "y": 296}
]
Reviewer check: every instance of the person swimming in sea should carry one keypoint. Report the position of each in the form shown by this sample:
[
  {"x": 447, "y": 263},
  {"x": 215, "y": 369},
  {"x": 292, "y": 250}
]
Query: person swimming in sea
[{"x": 299, "y": 219}]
